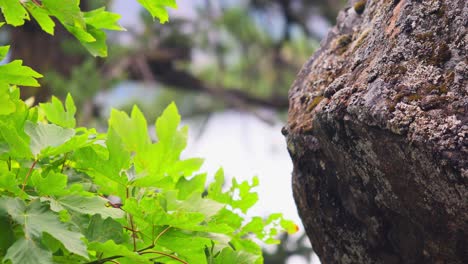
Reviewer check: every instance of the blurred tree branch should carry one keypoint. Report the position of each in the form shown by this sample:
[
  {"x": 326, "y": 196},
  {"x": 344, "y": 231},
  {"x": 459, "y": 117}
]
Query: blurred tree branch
[
  {"x": 255, "y": 49},
  {"x": 160, "y": 67}
]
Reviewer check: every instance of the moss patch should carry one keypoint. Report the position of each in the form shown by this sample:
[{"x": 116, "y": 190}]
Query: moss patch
[
  {"x": 414, "y": 97},
  {"x": 361, "y": 39},
  {"x": 342, "y": 43},
  {"x": 441, "y": 55},
  {"x": 425, "y": 36},
  {"x": 314, "y": 103},
  {"x": 360, "y": 6}
]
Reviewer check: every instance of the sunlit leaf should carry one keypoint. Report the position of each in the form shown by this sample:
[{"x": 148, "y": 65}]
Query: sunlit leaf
[
  {"x": 56, "y": 113},
  {"x": 14, "y": 12},
  {"x": 132, "y": 130},
  {"x": 90, "y": 206},
  {"x": 46, "y": 136},
  {"x": 4, "y": 51},
  {"x": 102, "y": 19},
  {"x": 42, "y": 17},
  {"x": 17, "y": 74},
  {"x": 158, "y": 8}
]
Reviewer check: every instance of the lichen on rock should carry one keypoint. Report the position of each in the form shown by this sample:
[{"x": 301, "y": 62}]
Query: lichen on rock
[{"x": 381, "y": 160}]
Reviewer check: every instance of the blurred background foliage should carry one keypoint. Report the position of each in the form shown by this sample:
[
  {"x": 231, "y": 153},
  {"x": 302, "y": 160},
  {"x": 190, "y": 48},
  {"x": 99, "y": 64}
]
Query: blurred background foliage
[{"x": 213, "y": 55}]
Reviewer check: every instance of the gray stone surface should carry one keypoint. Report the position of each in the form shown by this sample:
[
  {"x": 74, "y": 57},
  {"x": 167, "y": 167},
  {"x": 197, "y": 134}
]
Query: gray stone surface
[{"x": 377, "y": 130}]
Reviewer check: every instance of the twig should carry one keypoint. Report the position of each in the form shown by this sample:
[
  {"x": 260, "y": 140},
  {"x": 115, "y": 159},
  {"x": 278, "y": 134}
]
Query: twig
[
  {"x": 132, "y": 225},
  {"x": 162, "y": 233},
  {"x": 64, "y": 160},
  {"x": 9, "y": 163},
  {"x": 104, "y": 260},
  {"x": 165, "y": 254},
  {"x": 27, "y": 175}
]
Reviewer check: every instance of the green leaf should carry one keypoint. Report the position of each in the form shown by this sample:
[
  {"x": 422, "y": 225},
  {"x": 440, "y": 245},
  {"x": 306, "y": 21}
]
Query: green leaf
[
  {"x": 107, "y": 172},
  {"x": 229, "y": 256},
  {"x": 36, "y": 219},
  {"x": 97, "y": 47},
  {"x": 160, "y": 159},
  {"x": 14, "y": 12},
  {"x": 8, "y": 106},
  {"x": 4, "y": 51},
  {"x": 289, "y": 226},
  {"x": 110, "y": 248},
  {"x": 17, "y": 141},
  {"x": 132, "y": 130},
  {"x": 188, "y": 245},
  {"x": 184, "y": 168},
  {"x": 158, "y": 8},
  {"x": 68, "y": 12},
  {"x": 240, "y": 195},
  {"x": 193, "y": 204},
  {"x": 17, "y": 74},
  {"x": 55, "y": 112},
  {"x": 42, "y": 17},
  {"x": 90, "y": 205},
  {"x": 81, "y": 34},
  {"x": 166, "y": 128},
  {"x": 101, "y": 230},
  {"x": 87, "y": 32},
  {"x": 46, "y": 136},
  {"x": 26, "y": 251},
  {"x": 188, "y": 187},
  {"x": 8, "y": 182},
  {"x": 81, "y": 139},
  {"x": 101, "y": 19},
  {"x": 8, "y": 237},
  {"x": 53, "y": 183}
]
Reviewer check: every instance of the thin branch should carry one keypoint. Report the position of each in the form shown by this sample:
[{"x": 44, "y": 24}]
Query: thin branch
[
  {"x": 162, "y": 233},
  {"x": 167, "y": 74},
  {"x": 156, "y": 240},
  {"x": 162, "y": 69},
  {"x": 64, "y": 160},
  {"x": 165, "y": 254},
  {"x": 104, "y": 260},
  {"x": 27, "y": 175},
  {"x": 132, "y": 225}
]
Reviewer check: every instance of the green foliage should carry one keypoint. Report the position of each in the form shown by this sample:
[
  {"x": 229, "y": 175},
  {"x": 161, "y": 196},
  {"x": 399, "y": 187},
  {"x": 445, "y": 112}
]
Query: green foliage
[
  {"x": 15, "y": 73},
  {"x": 87, "y": 27},
  {"x": 57, "y": 180},
  {"x": 168, "y": 212}
]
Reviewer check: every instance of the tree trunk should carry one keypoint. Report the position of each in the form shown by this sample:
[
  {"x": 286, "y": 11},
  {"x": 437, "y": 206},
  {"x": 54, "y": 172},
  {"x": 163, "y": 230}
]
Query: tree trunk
[
  {"x": 377, "y": 130},
  {"x": 44, "y": 53}
]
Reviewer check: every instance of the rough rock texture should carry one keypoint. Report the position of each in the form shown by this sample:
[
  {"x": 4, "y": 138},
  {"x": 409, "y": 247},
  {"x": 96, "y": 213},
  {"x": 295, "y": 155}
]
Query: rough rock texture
[{"x": 378, "y": 133}]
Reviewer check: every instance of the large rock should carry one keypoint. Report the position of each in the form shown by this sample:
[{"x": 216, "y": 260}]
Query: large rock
[{"x": 377, "y": 131}]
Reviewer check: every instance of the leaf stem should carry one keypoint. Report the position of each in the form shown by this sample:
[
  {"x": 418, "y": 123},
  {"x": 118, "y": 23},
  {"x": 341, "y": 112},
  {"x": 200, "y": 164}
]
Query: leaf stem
[
  {"x": 165, "y": 254},
  {"x": 9, "y": 163},
  {"x": 64, "y": 160},
  {"x": 162, "y": 233},
  {"x": 132, "y": 225},
  {"x": 27, "y": 175},
  {"x": 104, "y": 260}
]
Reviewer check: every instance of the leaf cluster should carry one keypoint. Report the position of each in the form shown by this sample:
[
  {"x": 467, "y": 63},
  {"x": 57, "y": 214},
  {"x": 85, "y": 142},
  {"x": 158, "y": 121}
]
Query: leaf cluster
[
  {"x": 59, "y": 183},
  {"x": 88, "y": 27},
  {"x": 72, "y": 195}
]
